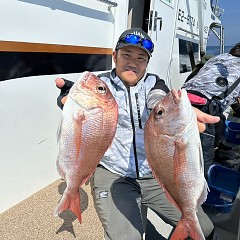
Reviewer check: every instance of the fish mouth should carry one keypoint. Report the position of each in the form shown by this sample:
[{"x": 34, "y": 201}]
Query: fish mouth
[
  {"x": 176, "y": 95},
  {"x": 86, "y": 76},
  {"x": 89, "y": 79}
]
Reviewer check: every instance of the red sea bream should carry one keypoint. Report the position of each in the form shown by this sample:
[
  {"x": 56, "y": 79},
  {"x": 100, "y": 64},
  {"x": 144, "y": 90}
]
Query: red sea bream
[
  {"x": 88, "y": 125},
  {"x": 174, "y": 154}
]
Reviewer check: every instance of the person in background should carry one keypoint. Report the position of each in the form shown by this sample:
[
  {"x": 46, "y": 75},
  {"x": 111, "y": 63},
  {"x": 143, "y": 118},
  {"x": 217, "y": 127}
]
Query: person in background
[
  {"x": 123, "y": 182},
  {"x": 219, "y": 126},
  {"x": 215, "y": 86}
]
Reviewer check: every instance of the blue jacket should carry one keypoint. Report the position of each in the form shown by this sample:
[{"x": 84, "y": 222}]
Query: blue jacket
[{"x": 126, "y": 155}]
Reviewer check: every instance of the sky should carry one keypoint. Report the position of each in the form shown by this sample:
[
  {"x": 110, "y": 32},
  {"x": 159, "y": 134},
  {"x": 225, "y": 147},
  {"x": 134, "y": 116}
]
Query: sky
[{"x": 231, "y": 22}]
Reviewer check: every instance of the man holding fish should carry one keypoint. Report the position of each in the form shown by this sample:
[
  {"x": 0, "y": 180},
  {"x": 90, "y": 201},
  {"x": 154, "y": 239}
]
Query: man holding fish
[{"x": 123, "y": 181}]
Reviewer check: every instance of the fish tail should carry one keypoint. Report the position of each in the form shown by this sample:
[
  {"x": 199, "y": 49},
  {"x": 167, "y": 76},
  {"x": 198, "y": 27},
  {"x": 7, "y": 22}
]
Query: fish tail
[
  {"x": 188, "y": 228},
  {"x": 69, "y": 201}
]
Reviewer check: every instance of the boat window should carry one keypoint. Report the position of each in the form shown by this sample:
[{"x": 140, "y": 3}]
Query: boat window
[
  {"x": 188, "y": 55},
  {"x": 15, "y": 64}
]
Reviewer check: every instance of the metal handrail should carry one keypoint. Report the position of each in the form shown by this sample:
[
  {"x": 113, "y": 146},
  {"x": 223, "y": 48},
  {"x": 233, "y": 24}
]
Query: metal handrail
[
  {"x": 219, "y": 35},
  {"x": 110, "y": 3}
]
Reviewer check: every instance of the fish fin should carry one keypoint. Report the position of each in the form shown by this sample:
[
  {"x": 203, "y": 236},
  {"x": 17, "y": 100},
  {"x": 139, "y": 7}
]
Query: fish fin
[
  {"x": 69, "y": 201},
  {"x": 84, "y": 124},
  {"x": 59, "y": 169},
  {"x": 179, "y": 166},
  {"x": 179, "y": 158},
  {"x": 59, "y": 131},
  {"x": 204, "y": 193},
  {"x": 79, "y": 118},
  {"x": 188, "y": 228},
  {"x": 201, "y": 158}
]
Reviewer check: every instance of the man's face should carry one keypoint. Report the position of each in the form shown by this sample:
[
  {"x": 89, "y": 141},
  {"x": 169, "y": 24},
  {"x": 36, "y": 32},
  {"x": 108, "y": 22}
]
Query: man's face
[{"x": 131, "y": 63}]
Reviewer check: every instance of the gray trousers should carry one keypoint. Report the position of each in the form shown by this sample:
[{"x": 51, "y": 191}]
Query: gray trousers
[{"x": 119, "y": 200}]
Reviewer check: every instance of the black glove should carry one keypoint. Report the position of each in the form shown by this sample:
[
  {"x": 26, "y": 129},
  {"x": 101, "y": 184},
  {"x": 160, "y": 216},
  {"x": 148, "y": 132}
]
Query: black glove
[
  {"x": 236, "y": 108},
  {"x": 64, "y": 91}
]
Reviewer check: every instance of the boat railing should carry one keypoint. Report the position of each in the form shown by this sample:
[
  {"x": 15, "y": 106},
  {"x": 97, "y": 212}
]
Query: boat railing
[{"x": 219, "y": 34}]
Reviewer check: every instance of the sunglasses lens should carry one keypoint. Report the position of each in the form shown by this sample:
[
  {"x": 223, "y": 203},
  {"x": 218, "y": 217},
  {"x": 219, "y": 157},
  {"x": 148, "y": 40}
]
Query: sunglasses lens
[
  {"x": 147, "y": 44},
  {"x": 134, "y": 39}
]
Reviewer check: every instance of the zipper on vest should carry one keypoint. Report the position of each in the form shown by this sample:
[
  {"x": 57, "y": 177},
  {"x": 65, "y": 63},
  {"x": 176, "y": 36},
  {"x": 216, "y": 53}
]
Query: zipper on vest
[
  {"x": 134, "y": 137},
  {"x": 138, "y": 111}
]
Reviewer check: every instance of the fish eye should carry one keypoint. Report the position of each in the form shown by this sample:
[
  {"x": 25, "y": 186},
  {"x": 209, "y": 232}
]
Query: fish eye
[
  {"x": 101, "y": 89},
  {"x": 159, "y": 112}
]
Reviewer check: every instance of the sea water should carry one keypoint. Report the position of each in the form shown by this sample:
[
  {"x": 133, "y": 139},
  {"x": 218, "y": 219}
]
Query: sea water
[{"x": 214, "y": 50}]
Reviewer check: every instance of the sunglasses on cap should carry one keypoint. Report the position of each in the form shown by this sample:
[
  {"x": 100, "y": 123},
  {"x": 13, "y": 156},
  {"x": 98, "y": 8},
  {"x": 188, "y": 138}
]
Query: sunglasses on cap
[{"x": 135, "y": 39}]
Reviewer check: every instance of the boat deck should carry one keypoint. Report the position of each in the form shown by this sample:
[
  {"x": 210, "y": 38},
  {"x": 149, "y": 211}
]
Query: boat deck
[{"x": 33, "y": 219}]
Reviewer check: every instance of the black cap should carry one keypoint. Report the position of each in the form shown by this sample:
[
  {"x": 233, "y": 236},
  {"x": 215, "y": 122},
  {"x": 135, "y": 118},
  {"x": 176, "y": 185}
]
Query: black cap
[{"x": 135, "y": 31}]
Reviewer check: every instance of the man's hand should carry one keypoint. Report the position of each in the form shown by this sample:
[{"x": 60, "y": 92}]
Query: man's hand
[
  {"x": 203, "y": 118},
  {"x": 64, "y": 85}
]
